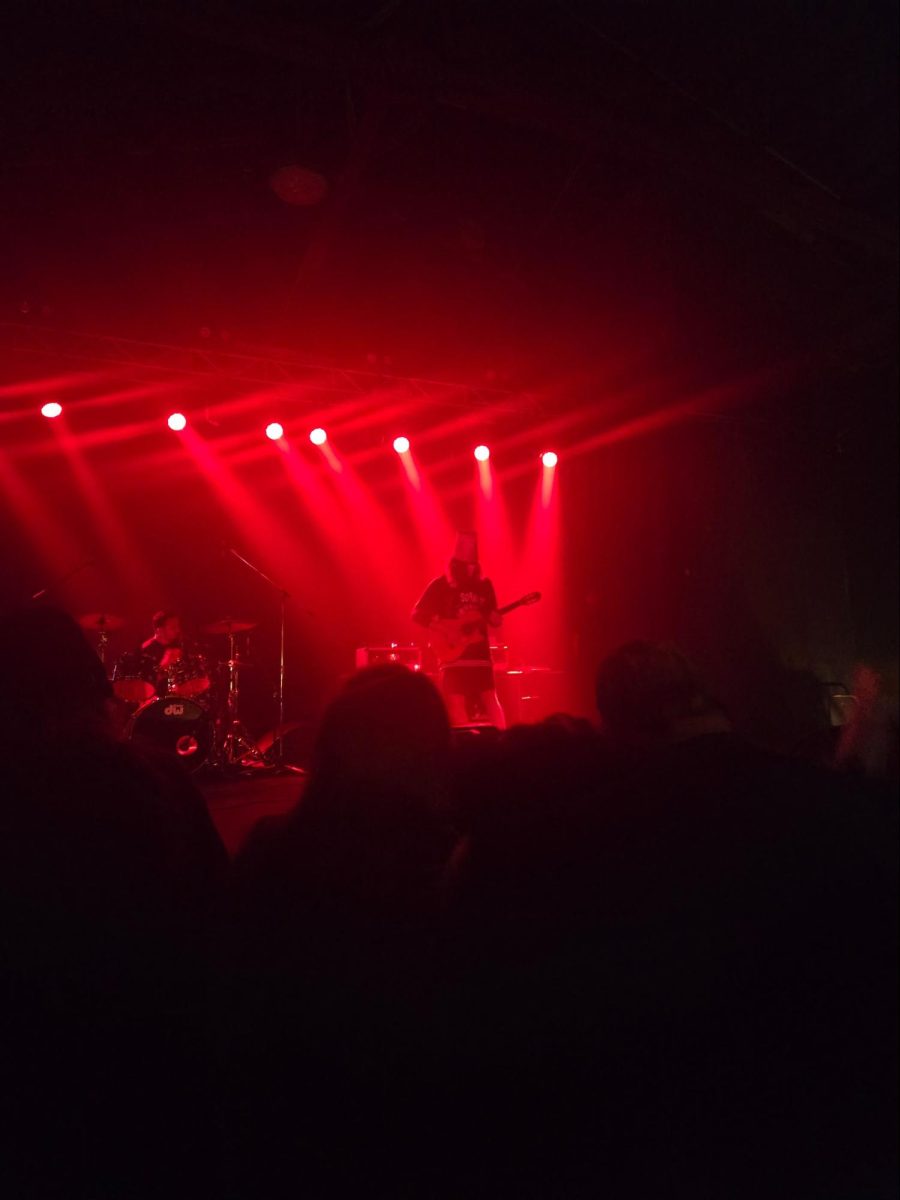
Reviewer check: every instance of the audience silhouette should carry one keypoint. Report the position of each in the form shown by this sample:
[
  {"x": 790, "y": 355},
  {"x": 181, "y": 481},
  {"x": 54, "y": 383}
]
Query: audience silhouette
[
  {"x": 111, "y": 874},
  {"x": 639, "y": 957}
]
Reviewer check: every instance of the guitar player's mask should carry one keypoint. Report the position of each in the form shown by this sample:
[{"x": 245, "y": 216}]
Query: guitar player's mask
[
  {"x": 464, "y": 565},
  {"x": 462, "y": 573}
]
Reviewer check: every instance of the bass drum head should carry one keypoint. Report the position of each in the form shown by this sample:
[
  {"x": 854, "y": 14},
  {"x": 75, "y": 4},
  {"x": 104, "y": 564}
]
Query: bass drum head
[{"x": 177, "y": 724}]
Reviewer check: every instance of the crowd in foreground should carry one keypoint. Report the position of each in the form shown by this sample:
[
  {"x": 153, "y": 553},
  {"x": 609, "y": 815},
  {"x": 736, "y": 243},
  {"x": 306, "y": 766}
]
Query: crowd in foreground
[{"x": 633, "y": 958}]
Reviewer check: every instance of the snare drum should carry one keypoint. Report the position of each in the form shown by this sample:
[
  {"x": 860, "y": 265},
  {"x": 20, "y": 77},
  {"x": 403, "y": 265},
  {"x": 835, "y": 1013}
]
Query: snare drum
[{"x": 175, "y": 723}]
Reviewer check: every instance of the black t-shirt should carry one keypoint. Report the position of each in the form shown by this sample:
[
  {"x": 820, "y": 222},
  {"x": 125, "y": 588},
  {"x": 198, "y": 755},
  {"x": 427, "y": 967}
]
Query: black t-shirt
[
  {"x": 444, "y": 600},
  {"x": 154, "y": 650}
]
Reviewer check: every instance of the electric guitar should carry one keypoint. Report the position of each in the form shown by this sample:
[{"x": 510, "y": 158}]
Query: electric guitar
[{"x": 452, "y": 637}]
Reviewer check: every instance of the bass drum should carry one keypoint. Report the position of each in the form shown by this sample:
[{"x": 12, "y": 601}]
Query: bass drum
[{"x": 177, "y": 724}]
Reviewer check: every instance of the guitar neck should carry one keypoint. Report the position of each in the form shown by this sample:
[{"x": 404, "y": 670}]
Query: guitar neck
[{"x": 508, "y": 608}]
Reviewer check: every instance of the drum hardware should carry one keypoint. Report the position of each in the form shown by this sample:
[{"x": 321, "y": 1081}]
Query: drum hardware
[
  {"x": 280, "y": 766},
  {"x": 237, "y": 748},
  {"x": 237, "y": 662},
  {"x": 102, "y": 624}
]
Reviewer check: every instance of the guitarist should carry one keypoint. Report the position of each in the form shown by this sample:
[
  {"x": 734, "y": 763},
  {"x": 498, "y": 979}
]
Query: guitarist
[{"x": 458, "y": 608}]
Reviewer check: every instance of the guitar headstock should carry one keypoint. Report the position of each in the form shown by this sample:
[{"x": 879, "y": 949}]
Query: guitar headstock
[{"x": 531, "y": 598}]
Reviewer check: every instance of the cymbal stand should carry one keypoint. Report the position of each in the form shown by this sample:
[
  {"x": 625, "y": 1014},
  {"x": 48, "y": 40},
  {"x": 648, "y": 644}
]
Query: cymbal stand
[
  {"x": 238, "y": 747},
  {"x": 102, "y": 643},
  {"x": 281, "y": 767}
]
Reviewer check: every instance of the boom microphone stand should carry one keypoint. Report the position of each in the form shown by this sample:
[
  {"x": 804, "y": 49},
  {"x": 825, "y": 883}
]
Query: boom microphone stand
[
  {"x": 57, "y": 583},
  {"x": 281, "y": 768}
]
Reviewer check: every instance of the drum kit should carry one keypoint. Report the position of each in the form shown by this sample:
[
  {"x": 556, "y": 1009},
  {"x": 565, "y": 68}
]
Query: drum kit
[{"x": 187, "y": 701}]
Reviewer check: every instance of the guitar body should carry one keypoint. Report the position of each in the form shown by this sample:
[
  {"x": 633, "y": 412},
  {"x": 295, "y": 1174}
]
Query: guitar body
[{"x": 452, "y": 637}]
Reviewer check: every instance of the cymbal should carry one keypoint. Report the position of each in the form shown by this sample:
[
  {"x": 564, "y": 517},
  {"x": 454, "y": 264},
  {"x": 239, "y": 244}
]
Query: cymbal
[
  {"x": 228, "y": 625},
  {"x": 235, "y": 662},
  {"x": 100, "y": 622}
]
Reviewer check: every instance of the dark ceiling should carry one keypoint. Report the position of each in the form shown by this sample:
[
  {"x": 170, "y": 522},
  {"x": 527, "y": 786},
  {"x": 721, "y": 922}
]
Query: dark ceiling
[{"x": 511, "y": 187}]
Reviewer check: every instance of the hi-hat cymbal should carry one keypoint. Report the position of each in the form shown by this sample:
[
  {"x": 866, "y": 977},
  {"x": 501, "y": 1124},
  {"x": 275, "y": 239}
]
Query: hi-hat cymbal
[
  {"x": 228, "y": 625},
  {"x": 101, "y": 622}
]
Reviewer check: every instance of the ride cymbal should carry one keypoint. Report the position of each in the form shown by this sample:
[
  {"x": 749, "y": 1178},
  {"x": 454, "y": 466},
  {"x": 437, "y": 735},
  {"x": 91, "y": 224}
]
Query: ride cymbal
[
  {"x": 100, "y": 622},
  {"x": 228, "y": 625}
]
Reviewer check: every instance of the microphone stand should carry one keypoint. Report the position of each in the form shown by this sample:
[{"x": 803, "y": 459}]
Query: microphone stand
[
  {"x": 281, "y": 768},
  {"x": 57, "y": 583}
]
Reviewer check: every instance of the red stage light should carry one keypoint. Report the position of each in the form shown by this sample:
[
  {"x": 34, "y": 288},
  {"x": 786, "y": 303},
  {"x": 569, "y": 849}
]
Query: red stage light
[
  {"x": 52, "y": 409},
  {"x": 318, "y": 437},
  {"x": 177, "y": 421},
  {"x": 275, "y": 431},
  {"x": 482, "y": 453},
  {"x": 401, "y": 445},
  {"x": 549, "y": 458}
]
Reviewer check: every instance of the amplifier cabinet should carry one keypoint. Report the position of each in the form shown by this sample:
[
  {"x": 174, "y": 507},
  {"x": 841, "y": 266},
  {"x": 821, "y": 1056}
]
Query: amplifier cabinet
[{"x": 407, "y": 655}]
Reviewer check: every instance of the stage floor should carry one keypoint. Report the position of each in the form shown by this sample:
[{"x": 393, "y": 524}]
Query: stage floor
[{"x": 236, "y": 805}]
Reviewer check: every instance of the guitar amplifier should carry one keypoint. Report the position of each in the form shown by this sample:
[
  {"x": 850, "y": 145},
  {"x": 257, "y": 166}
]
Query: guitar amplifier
[
  {"x": 531, "y": 694},
  {"x": 406, "y": 655}
]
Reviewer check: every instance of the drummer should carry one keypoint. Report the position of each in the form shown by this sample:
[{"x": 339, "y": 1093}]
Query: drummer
[{"x": 166, "y": 647}]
